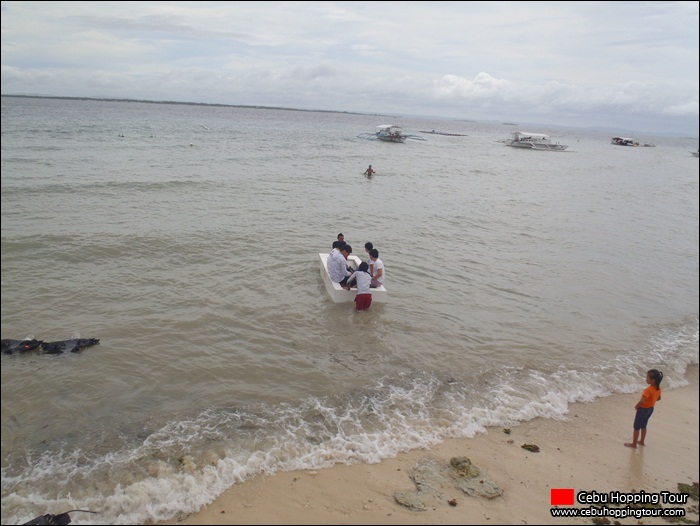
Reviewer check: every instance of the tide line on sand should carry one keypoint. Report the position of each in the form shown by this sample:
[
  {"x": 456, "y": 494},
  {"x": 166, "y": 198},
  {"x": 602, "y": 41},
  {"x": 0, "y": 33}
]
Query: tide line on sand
[{"x": 586, "y": 452}]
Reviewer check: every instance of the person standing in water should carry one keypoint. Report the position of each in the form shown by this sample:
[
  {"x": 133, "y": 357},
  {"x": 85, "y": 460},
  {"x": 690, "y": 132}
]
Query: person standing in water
[
  {"x": 363, "y": 299},
  {"x": 369, "y": 171}
]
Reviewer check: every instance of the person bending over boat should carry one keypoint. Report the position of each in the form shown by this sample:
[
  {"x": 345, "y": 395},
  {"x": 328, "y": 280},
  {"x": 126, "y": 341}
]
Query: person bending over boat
[{"x": 363, "y": 300}]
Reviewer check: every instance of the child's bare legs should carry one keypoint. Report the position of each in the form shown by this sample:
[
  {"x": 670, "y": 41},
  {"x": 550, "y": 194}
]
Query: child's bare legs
[
  {"x": 644, "y": 434},
  {"x": 635, "y": 436}
]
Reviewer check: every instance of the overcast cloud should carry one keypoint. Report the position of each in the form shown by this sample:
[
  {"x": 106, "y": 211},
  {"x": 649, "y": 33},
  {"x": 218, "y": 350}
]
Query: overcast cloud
[{"x": 630, "y": 65}]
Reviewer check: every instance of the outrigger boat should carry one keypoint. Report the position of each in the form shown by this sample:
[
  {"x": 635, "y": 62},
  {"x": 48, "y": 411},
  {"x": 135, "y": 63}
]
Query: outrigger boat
[
  {"x": 389, "y": 133},
  {"x": 623, "y": 141},
  {"x": 337, "y": 293}
]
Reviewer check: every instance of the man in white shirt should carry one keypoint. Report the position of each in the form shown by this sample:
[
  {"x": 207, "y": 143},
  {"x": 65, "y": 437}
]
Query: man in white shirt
[
  {"x": 345, "y": 253},
  {"x": 377, "y": 269},
  {"x": 337, "y": 269},
  {"x": 337, "y": 245}
]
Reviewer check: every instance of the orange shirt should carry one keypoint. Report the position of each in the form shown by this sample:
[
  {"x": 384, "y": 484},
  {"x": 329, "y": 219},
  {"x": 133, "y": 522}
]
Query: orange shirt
[{"x": 651, "y": 394}]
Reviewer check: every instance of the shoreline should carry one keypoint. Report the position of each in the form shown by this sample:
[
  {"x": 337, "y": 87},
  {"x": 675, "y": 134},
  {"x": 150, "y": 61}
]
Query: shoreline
[{"x": 585, "y": 452}]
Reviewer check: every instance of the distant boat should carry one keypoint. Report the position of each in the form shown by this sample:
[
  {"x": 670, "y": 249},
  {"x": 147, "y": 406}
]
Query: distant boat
[
  {"x": 534, "y": 141},
  {"x": 389, "y": 133},
  {"x": 509, "y": 124},
  {"x": 623, "y": 141},
  {"x": 445, "y": 133}
]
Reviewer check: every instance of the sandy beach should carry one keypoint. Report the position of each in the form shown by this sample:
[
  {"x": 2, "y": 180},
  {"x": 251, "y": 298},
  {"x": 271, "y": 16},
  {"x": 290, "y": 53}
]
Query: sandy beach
[{"x": 585, "y": 452}]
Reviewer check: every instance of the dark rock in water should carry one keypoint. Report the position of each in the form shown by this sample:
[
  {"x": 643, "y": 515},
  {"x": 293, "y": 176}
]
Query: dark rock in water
[
  {"x": 49, "y": 518},
  {"x": 10, "y": 346},
  {"x": 58, "y": 520},
  {"x": 73, "y": 345}
]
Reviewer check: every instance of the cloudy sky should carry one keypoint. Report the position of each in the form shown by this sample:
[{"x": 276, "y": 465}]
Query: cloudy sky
[{"x": 630, "y": 65}]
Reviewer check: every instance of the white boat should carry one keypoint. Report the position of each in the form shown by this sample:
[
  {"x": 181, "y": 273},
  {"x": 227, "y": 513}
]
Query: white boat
[
  {"x": 337, "y": 293},
  {"x": 623, "y": 141},
  {"x": 389, "y": 133},
  {"x": 534, "y": 141}
]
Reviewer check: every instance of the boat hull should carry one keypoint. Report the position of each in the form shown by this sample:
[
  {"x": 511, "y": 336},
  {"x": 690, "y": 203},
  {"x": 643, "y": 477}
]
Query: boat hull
[
  {"x": 537, "y": 146},
  {"x": 388, "y": 138},
  {"x": 337, "y": 293}
]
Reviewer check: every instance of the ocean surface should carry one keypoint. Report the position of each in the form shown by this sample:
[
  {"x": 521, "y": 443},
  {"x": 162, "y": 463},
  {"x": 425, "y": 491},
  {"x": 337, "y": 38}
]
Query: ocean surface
[{"x": 186, "y": 238}]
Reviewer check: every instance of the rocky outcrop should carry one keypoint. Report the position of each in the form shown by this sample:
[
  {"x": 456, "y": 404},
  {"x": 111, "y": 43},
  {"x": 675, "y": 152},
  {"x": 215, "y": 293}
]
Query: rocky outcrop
[{"x": 436, "y": 481}]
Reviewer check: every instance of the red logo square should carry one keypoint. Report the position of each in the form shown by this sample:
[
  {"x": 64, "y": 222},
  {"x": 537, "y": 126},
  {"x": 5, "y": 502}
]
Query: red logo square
[{"x": 562, "y": 497}]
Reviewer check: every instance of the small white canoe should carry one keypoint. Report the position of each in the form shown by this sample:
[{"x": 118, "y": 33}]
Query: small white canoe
[{"x": 337, "y": 293}]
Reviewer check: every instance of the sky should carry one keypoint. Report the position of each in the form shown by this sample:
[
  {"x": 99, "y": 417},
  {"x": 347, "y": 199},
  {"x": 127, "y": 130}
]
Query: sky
[{"x": 626, "y": 65}]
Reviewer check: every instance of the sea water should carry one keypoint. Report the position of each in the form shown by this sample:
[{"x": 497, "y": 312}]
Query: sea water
[{"x": 186, "y": 238}]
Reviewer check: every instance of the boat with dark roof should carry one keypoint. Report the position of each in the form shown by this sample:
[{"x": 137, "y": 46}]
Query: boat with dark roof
[{"x": 623, "y": 141}]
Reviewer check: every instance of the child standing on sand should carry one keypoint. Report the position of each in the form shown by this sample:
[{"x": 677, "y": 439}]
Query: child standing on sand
[{"x": 645, "y": 406}]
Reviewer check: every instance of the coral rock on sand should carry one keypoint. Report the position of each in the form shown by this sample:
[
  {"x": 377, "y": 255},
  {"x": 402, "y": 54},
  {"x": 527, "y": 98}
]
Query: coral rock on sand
[{"x": 433, "y": 479}]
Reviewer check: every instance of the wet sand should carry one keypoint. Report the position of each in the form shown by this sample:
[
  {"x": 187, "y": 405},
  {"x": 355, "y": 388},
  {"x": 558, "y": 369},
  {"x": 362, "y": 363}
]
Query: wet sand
[{"x": 586, "y": 452}]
